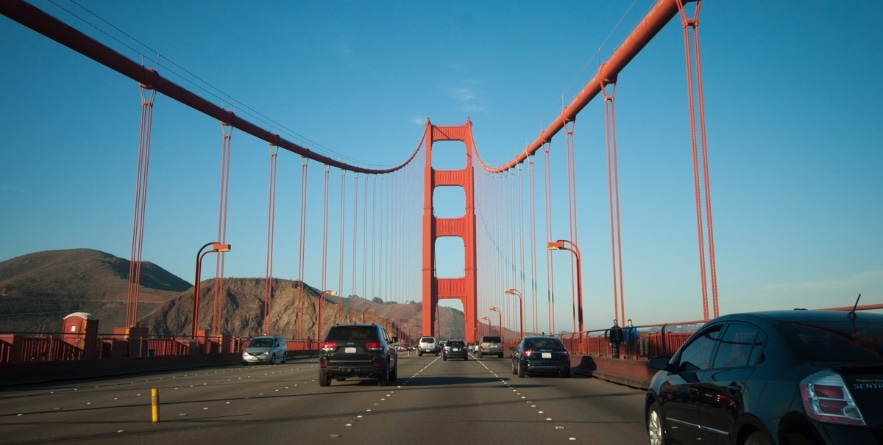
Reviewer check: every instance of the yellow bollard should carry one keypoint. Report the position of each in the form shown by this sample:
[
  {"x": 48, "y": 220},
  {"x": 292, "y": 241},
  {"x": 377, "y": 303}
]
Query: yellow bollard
[{"x": 154, "y": 402}]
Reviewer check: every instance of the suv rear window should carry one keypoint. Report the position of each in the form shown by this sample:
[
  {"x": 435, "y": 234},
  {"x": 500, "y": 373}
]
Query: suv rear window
[
  {"x": 345, "y": 333},
  {"x": 491, "y": 339}
]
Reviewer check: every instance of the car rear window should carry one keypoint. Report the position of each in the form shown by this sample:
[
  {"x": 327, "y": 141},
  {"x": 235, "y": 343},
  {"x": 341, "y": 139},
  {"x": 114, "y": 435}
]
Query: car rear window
[
  {"x": 846, "y": 341},
  {"x": 492, "y": 340},
  {"x": 354, "y": 333}
]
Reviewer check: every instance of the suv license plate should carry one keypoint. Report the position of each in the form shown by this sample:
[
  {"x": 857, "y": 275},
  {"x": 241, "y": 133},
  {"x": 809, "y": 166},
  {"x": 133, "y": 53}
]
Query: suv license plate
[
  {"x": 547, "y": 355},
  {"x": 349, "y": 350}
]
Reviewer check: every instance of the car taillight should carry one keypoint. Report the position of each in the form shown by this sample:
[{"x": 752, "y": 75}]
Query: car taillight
[
  {"x": 827, "y": 399},
  {"x": 526, "y": 353},
  {"x": 329, "y": 346},
  {"x": 373, "y": 345}
]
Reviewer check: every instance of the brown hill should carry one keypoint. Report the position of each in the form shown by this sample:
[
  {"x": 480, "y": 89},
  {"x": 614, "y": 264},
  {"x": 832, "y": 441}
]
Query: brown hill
[
  {"x": 243, "y": 309},
  {"x": 38, "y": 290}
]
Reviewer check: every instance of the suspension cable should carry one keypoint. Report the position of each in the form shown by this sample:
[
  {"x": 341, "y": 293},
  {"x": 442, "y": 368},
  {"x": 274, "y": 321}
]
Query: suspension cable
[
  {"x": 271, "y": 229},
  {"x": 134, "y": 287}
]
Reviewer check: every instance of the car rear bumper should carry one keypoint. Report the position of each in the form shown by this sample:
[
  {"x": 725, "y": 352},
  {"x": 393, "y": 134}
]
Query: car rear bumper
[{"x": 546, "y": 368}]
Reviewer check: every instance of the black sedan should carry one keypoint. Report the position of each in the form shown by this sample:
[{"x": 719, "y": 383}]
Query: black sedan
[
  {"x": 455, "y": 349},
  {"x": 782, "y": 377},
  {"x": 541, "y": 355}
]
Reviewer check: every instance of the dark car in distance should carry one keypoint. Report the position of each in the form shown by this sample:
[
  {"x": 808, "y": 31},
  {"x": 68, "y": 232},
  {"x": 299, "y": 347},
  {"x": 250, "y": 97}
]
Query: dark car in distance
[
  {"x": 541, "y": 355},
  {"x": 358, "y": 350},
  {"x": 778, "y": 377},
  {"x": 455, "y": 349}
]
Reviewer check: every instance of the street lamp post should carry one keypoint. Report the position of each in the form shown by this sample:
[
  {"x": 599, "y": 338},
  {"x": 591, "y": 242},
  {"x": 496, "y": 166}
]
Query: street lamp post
[
  {"x": 520, "y": 308},
  {"x": 574, "y": 249},
  {"x": 216, "y": 247},
  {"x": 367, "y": 309},
  {"x": 322, "y": 296},
  {"x": 488, "y": 320},
  {"x": 499, "y": 311}
]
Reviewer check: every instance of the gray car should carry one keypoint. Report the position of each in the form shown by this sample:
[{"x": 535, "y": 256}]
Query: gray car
[
  {"x": 455, "y": 349},
  {"x": 427, "y": 345},
  {"x": 490, "y": 345},
  {"x": 269, "y": 349}
]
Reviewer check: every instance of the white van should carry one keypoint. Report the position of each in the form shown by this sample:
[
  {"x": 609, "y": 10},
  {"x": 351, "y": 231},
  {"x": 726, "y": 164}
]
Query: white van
[{"x": 270, "y": 349}]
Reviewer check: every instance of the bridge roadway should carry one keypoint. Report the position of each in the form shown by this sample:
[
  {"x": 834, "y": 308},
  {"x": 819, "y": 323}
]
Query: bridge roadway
[{"x": 433, "y": 402}]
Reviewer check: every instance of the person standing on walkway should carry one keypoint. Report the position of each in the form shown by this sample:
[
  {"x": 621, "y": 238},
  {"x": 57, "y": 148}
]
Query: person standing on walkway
[
  {"x": 630, "y": 336},
  {"x": 615, "y": 338}
]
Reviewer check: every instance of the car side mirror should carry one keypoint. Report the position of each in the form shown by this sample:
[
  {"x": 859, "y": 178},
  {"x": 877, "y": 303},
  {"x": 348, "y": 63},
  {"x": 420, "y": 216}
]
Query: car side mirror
[{"x": 659, "y": 363}]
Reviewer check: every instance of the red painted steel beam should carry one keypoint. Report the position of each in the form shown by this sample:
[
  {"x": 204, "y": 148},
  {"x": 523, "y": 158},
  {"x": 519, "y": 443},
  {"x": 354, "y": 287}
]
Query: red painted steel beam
[
  {"x": 37, "y": 20},
  {"x": 656, "y": 19}
]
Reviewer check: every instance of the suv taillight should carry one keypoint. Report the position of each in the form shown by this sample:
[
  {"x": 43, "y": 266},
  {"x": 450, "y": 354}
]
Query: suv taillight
[
  {"x": 373, "y": 346},
  {"x": 827, "y": 399},
  {"x": 329, "y": 346}
]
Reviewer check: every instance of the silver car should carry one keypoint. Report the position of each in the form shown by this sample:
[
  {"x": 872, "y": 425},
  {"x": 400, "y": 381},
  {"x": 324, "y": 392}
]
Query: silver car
[
  {"x": 427, "y": 345},
  {"x": 270, "y": 349}
]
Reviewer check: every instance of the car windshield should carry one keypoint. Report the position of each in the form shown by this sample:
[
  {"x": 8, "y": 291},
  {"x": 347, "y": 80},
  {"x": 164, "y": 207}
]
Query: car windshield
[
  {"x": 261, "y": 343},
  {"x": 456, "y": 344},
  {"x": 841, "y": 341}
]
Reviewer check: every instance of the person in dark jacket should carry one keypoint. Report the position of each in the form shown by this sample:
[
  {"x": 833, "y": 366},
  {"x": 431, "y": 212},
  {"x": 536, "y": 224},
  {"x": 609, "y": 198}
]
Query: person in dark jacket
[{"x": 615, "y": 338}]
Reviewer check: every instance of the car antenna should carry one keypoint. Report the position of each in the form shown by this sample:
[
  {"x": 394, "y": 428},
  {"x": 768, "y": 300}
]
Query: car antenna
[{"x": 851, "y": 313}]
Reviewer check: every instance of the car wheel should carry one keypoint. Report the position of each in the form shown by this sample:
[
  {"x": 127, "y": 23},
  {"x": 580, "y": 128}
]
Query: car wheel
[
  {"x": 500, "y": 356},
  {"x": 521, "y": 372},
  {"x": 394, "y": 375},
  {"x": 383, "y": 376},
  {"x": 466, "y": 357},
  {"x": 654, "y": 426},
  {"x": 273, "y": 359},
  {"x": 514, "y": 371},
  {"x": 758, "y": 438},
  {"x": 479, "y": 354},
  {"x": 324, "y": 379},
  {"x": 419, "y": 353},
  {"x": 283, "y": 359},
  {"x": 445, "y": 358}
]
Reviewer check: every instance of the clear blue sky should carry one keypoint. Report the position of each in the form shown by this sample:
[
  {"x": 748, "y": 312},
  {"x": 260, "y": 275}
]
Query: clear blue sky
[{"x": 793, "y": 107}]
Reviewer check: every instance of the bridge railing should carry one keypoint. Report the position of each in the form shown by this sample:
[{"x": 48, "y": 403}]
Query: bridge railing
[
  {"x": 56, "y": 346},
  {"x": 652, "y": 341}
]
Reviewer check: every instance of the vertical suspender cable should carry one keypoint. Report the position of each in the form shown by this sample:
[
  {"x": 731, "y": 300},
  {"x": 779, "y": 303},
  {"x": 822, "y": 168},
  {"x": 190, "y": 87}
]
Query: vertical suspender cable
[
  {"x": 303, "y": 231},
  {"x": 533, "y": 240},
  {"x": 613, "y": 198},
  {"x": 217, "y": 321},
  {"x": 521, "y": 233},
  {"x": 325, "y": 221},
  {"x": 140, "y": 206},
  {"x": 547, "y": 173},
  {"x": 687, "y": 25},
  {"x": 368, "y": 298},
  {"x": 271, "y": 229},
  {"x": 355, "y": 244},
  {"x": 571, "y": 211},
  {"x": 342, "y": 219}
]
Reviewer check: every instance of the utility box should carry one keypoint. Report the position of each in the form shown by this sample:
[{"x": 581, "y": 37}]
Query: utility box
[
  {"x": 80, "y": 330},
  {"x": 137, "y": 339}
]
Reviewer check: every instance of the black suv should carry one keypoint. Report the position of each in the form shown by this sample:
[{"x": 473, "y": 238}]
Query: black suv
[{"x": 357, "y": 350}]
